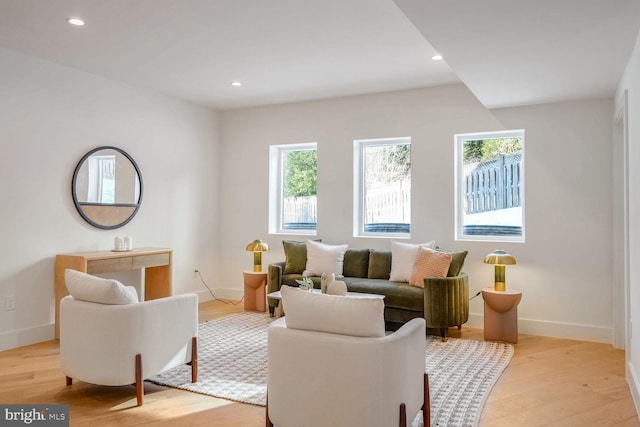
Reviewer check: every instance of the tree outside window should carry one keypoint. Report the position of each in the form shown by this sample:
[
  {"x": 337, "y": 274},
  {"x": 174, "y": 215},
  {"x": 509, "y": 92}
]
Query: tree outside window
[
  {"x": 300, "y": 180},
  {"x": 293, "y": 177}
]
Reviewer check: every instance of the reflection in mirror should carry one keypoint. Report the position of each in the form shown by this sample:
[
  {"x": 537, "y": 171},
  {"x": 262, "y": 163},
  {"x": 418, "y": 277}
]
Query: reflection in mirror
[{"x": 107, "y": 187}]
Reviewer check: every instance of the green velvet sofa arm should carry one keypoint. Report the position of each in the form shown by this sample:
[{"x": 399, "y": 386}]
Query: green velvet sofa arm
[
  {"x": 274, "y": 281},
  {"x": 446, "y": 302}
]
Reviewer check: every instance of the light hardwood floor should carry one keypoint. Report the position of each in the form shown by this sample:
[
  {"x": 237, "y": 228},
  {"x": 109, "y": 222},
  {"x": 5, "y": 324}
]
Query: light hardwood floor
[{"x": 549, "y": 382}]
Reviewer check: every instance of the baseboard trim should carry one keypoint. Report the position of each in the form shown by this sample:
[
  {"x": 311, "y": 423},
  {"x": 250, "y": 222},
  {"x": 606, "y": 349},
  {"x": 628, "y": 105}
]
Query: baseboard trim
[
  {"x": 22, "y": 337},
  {"x": 546, "y": 328},
  {"x": 634, "y": 385}
]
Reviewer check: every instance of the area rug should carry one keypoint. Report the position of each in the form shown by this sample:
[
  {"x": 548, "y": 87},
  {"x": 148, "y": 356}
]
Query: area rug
[{"x": 232, "y": 364}]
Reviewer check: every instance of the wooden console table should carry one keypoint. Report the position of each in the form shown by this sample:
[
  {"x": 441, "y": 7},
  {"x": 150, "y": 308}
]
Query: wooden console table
[{"x": 157, "y": 263}]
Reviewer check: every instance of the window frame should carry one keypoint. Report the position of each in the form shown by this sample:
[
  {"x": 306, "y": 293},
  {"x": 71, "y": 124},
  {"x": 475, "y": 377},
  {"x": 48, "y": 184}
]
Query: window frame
[
  {"x": 276, "y": 188},
  {"x": 359, "y": 192},
  {"x": 459, "y": 186}
]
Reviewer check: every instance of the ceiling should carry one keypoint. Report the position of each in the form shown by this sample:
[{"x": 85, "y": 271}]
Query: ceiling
[
  {"x": 518, "y": 52},
  {"x": 508, "y": 52}
]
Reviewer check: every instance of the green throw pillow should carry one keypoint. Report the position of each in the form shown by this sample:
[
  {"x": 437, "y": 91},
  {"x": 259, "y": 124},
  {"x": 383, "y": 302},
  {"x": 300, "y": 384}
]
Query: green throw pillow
[
  {"x": 295, "y": 256},
  {"x": 356, "y": 263},
  {"x": 457, "y": 261},
  {"x": 379, "y": 265}
]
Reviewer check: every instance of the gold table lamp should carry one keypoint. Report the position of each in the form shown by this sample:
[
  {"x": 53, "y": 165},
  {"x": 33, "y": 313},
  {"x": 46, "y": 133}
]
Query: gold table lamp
[
  {"x": 257, "y": 247},
  {"x": 500, "y": 258}
]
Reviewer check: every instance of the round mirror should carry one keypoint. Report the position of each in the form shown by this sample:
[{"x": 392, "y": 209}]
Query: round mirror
[{"x": 107, "y": 187}]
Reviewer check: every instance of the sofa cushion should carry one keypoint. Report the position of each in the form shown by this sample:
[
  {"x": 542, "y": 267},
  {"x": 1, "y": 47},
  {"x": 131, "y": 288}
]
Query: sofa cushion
[
  {"x": 323, "y": 258},
  {"x": 90, "y": 288},
  {"x": 295, "y": 256},
  {"x": 360, "y": 317},
  {"x": 403, "y": 256},
  {"x": 356, "y": 263},
  {"x": 457, "y": 261},
  {"x": 429, "y": 263},
  {"x": 379, "y": 264},
  {"x": 397, "y": 295}
]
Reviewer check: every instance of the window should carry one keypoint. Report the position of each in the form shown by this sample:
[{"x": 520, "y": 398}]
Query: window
[
  {"x": 490, "y": 186},
  {"x": 293, "y": 173},
  {"x": 382, "y": 187},
  {"x": 102, "y": 179}
]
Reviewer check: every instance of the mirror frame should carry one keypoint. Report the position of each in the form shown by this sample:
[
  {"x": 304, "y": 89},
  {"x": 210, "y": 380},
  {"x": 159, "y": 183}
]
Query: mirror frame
[{"x": 79, "y": 204}]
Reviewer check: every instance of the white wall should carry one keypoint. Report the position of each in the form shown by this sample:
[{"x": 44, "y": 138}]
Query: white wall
[
  {"x": 629, "y": 87},
  {"x": 50, "y": 116},
  {"x": 205, "y": 177},
  {"x": 564, "y": 268}
]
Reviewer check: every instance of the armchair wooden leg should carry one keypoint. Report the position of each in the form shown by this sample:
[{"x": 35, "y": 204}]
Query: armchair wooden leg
[
  {"x": 426, "y": 405},
  {"x": 268, "y": 422},
  {"x": 139, "y": 381},
  {"x": 194, "y": 359},
  {"x": 403, "y": 415},
  {"x": 69, "y": 380},
  {"x": 443, "y": 333}
]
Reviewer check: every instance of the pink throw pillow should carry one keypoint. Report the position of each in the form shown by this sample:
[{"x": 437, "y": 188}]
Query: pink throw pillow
[{"x": 429, "y": 263}]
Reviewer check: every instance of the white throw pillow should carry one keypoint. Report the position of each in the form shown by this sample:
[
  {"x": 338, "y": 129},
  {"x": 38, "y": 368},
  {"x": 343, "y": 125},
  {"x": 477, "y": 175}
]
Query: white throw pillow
[
  {"x": 323, "y": 258},
  {"x": 312, "y": 311},
  {"x": 90, "y": 288},
  {"x": 403, "y": 255}
]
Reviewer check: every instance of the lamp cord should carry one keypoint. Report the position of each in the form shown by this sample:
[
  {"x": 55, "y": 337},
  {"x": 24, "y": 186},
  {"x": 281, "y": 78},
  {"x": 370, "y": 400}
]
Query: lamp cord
[
  {"x": 478, "y": 294},
  {"x": 213, "y": 295}
]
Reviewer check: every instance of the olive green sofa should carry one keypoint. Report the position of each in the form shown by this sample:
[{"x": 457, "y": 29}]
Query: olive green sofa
[{"x": 443, "y": 303}]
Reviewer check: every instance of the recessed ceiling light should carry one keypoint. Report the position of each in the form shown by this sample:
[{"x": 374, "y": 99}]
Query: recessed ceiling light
[
  {"x": 75, "y": 21},
  {"x": 236, "y": 83},
  {"x": 437, "y": 57}
]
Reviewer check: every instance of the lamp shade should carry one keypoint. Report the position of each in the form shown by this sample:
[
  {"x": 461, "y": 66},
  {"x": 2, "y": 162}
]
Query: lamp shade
[
  {"x": 499, "y": 257},
  {"x": 257, "y": 246}
]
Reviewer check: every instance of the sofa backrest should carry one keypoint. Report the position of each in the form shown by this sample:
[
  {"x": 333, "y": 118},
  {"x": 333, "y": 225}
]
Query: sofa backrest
[
  {"x": 356, "y": 263},
  {"x": 379, "y": 265},
  {"x": 362, "y": 263},
  {"x": 367, "y": 263}
]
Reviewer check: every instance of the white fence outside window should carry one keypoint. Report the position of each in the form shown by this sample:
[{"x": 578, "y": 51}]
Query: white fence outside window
[
  {"x": 493, "y": 184},
  {"x": 387, "y": 204},
  {"x": 298, "y": 211}
]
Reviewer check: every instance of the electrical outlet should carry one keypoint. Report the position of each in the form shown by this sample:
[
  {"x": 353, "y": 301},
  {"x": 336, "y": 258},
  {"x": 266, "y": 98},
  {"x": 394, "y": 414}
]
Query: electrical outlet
[
  {"x": 10, "y": 303},
  {"x": 195, "y": 273}
]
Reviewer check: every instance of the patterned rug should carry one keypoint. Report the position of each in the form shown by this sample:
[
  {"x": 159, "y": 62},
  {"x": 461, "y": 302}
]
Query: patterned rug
[{"x": 232, "y": 364}]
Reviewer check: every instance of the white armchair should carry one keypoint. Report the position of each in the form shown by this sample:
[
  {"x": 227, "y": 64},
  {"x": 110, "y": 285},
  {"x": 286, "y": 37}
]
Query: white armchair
[
  {"x": 323, "y": 378},
  {"x": 120, "y": 343}
]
